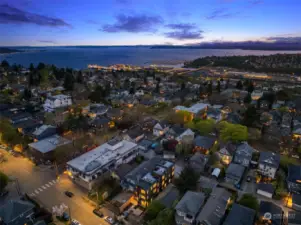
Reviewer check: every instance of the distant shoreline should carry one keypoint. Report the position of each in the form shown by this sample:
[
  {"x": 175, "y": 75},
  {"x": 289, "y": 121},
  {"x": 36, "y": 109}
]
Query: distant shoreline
[{"x": 9, "y": 51}]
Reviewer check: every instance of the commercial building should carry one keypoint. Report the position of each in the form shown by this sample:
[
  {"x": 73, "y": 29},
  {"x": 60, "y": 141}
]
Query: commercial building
[
  {"x": 148, "y": 179},
  {"x": 87, "y": 168}
]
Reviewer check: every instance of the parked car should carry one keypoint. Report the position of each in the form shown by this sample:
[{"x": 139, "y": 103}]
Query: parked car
[
  {"x": 4, "y": 193},
  {"x": 69, "y": 194},
  {"x": 249, "y": 179},
  {"x": 65, "y": 216},
  {"x": 98, "y": 213},
  {"x": 110, "y": 220},
  {"x": 75, "y": 222}
]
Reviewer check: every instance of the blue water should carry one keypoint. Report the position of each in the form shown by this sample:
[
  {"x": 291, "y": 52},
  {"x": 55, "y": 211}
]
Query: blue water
[{"x": 80, "y": 57}]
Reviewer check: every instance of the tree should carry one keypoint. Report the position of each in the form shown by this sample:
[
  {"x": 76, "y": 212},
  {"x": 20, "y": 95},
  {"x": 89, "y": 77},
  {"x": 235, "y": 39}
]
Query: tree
[
  {"x": 79, "y": 78},
  {"x": 283, "y": 109},
  {"x": 153, "y": 210},
  {"x": 180, "y": 117},
  {"x": 3, "y": 181},
  {"x": 157, "y": 90},
  {"x": 218, "y": 87},
  {"x": 250, "y": 116},
  {"x": 239, "y": 85},
  {"x": 209, "y": 88},
  {"x": 10, "y": 135},
  {"x": 41, "y": 66},
  {"x": 27, "y": 94},
  {"x": 249, "y": 201},
  {"x": 31, "y": 67},
  {"x": 44, "y": 78},
  {"x": 183, "y": 85},
  {"x": 233, "y": 132},
  {"x": 248, "y": 98},
  {"x": 203, "y": 126},
  {"x": 5, "y": 64},
  {"x": 285, "y": 161},
  {"x": 166, "y": 217},
  {"x": 250, "y": 87},
  {"x": 69, "y": 82},
  {"x": 187, "y": 180}
]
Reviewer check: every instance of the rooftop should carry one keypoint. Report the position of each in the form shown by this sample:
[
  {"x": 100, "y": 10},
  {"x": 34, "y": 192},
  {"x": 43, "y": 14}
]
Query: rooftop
[
  {"x": 102, "y": 155},
  {"x": 49, "y": 144},
  {"x": 269, "y": 158},
  {"x": 41, "y": 129},
  {"x": 191, "y": 203},
  {"x": 294, "y": 173},
  {"x": 196, "y": 108},
  {"x": 59, "y": 97},
  {"x": 240, "y": 215}
]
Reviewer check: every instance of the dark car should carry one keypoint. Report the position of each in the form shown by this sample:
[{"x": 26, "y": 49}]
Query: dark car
[
  {"x": 65, "y": 216},
  {"x": 69, "y": 194},
  {"x": 98, "y": 213},
  {"x": 4, "y": 193}
]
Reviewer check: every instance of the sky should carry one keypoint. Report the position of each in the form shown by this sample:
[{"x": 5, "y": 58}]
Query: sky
[{"x": 146, "y": 22}]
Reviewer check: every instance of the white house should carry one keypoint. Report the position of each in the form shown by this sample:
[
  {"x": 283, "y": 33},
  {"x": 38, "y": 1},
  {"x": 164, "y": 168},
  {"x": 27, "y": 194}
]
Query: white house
[
  {"x": 57, "y": 101},
  {"x": 160, "y": 129},
  {"x": 86, "y": 168},
  {"x": 139, "y": 93},
  {"x": 268, "y": 164}
]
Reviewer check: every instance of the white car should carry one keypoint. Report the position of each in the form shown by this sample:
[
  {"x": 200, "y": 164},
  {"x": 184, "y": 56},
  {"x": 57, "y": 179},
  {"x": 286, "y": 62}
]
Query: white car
[
  {"x": 109, "y": 219},
  {"x": 75, "y": 222}
]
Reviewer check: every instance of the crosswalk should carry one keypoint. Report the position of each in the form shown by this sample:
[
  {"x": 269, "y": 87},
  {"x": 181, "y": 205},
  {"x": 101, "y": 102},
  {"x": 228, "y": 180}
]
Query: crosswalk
[{"x": 42, "y": 188}]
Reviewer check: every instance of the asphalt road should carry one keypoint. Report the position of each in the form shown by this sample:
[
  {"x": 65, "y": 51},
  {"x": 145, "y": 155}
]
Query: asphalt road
[{"x": 41, "y": 183}]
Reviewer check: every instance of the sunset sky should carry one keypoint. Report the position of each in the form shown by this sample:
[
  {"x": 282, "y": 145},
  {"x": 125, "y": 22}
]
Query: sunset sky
[{"x": 142, "y": 22}]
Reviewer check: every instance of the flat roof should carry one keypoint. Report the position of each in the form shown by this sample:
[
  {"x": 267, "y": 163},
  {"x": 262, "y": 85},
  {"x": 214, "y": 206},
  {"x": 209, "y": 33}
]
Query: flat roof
[
  {"x": 101, "y": 155},
  {"x": 49, "y": 144}
]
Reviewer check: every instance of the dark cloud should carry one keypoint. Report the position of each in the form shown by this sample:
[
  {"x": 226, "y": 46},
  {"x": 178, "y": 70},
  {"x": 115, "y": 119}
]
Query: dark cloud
[
  {"x": 285, "y": 39},
  {"x": 184, "y": 31},
  {"x": 47, "y": 41},
  {"x": 181, "y": 26},
  {"x": 12, "y": 15},
  {"x": 133, "y": 24},
  {"x": 184, "y": 35},
  {"x": 220, "y": 14}
]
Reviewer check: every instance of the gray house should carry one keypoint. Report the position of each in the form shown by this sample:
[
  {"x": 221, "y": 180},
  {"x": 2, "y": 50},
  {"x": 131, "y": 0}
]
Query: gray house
[
  {"x": 16, "y": 212},
  {"x": 294, "y": 179},
  {"x": 234, "y": 173},
  {"x": 243, "y": 154},
  {"x": 198, "y": 162},
  {"x": 188, "y": 208},
  {"x": 215, "y": 207},
  {"x": 268, "y": 164},
  {"x": 240, "y": 215}
]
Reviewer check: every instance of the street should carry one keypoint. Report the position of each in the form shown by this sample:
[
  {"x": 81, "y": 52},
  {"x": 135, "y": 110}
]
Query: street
[{"x": 40, "y": 183}]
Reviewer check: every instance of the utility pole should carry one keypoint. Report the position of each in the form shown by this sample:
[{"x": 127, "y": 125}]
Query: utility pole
[
  {"x": 70, "y": 219},
  {"x": 18, "y": 186},
  {"x": 56, "y": 169}
]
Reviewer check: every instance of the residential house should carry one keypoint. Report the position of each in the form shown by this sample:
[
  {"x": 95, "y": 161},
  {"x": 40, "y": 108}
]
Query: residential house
[
  {"x": 87, "y": 169},
  {"x": 43, "y": 131},
  {"x": 97, "y": 110},
  {"x": 188, "y": 208},
  {"x": 198, "y": 162},
  {"x": 43, "y": 150},
  {"x": 187, "y": 133},
  {"x": 114, "y": 114},
  {"x": 26, "y": 126},
  {"x": 169, "y": 198},
  {"x": 214, "y": 114},
  {"x": 243, "y": 154},
  {"x": 160, "y": 128},
  {"x": 204, "y": 144},
  {"x": 270, "y": 213},
  {"x": 57, "y": 101},
  {"x": 195, "y": 110},
  {"x": 240, "y": 215},
  {"x": 265, "y": 189},
  {"x": 215, "y": 208},
  {"x": 134, "y": 134},
  {"x": 296, "y": 202},
  {"x": 178, "y": 132},
  {"x": 272, "y": 134},
  {"x": 294, "y": 179},
  {"x": 268, "y": 164},
  {"x": 145, "y": 149},
  {"x": 234, "y": 173},
  {"x": 257, "y": 94},
  {"x": 17, "y": 212},
  {"x": 102, "y": 123},
  {"x": 226, "y": 152},
  {"x": 294, "y": 218},
  {"x": 149, "y": 179}
]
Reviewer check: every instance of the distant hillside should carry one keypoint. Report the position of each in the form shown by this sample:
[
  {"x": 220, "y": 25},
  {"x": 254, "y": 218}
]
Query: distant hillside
[
  {"x": 8, "y": 50},
  {"x": 279, "y": 63},
  {"x": 248, "y": 45}
]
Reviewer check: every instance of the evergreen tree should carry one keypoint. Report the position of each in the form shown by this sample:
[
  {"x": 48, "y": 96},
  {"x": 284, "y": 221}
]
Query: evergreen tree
[
  {"x": 250, "y": 87},
  {"x": 68, "y": 82},
  {"x": 218, "y": 87},
  {"x": 80, "y": 78},
  {"x": 239, "y": 85}
]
